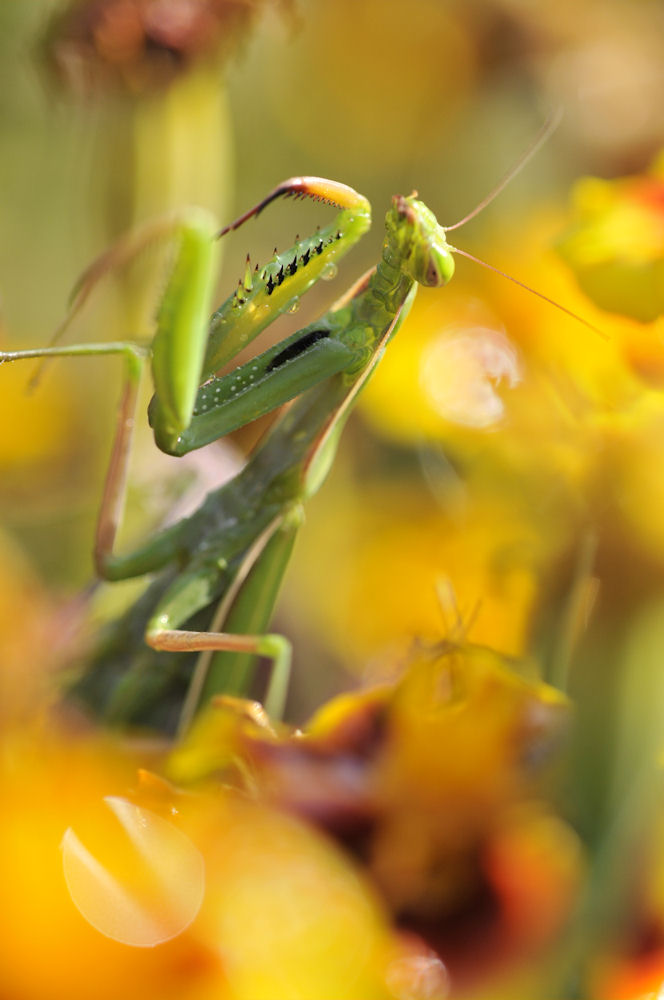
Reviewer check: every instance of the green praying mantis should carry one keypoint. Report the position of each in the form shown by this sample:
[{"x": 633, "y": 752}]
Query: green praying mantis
[{"x": 231, "y": 554}]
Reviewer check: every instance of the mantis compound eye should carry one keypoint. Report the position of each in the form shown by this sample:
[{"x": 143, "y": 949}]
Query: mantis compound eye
[{"x": 440, "y": 266}]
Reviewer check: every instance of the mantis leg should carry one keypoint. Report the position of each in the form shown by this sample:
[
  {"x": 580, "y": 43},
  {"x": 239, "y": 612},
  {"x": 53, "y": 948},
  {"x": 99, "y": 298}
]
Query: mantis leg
[
  {"x": 274, "y": 647},
  {"x": 179, "y": 342},
  {"x": 160, "y": 551},
  {"x": 244, "y": 612}
]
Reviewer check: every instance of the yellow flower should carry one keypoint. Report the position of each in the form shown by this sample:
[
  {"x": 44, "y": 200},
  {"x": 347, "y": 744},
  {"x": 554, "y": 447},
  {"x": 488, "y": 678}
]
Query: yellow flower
[
  {"x": 401, "y": 562},
  {"x": 615, "y": 246},
  {"x": 117, "y": 888},
  {"x": 439, "y": 785}
]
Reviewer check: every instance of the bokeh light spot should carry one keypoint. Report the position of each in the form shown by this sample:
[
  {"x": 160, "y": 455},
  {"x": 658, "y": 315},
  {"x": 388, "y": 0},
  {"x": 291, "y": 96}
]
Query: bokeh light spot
[{"x": 144, "y": 881}]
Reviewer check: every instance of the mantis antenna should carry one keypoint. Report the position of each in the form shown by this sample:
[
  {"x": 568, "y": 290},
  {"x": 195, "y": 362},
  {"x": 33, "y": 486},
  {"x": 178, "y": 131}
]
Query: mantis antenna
[
  {"x": 547, "y": 130},
  {"x": 533, "y": 291}
]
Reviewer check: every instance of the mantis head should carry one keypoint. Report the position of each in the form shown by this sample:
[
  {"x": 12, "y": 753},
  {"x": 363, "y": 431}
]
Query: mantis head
[{"x": 423, "y": 247}]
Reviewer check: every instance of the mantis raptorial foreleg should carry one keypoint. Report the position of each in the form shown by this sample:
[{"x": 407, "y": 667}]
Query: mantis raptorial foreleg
[{"x": 187, "y": 349}]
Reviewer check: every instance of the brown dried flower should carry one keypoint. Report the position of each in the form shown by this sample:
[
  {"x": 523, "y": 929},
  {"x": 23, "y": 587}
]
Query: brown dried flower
[{"x": 142, "y": 45}]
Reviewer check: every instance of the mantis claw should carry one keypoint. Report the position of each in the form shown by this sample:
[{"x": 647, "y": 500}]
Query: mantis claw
[{"x": 319, "y": 189}]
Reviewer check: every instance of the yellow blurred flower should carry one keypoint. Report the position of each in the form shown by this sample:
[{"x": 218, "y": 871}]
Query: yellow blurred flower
[
  {"x": 439, "y": 786},
  {"x": 466, "y": 740},
  {"x": 46, "y": 948},
  {"x": 615, "y": 246},
  {"x": 526, "y": 372},
  {"x": 144, "y": 891},
  {"x": 405, "y": 548}
]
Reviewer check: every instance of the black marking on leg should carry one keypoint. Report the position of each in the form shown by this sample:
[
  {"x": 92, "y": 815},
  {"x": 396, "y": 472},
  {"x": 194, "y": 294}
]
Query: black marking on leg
[
  {"x": 305, "y": 256},
  {"x": 319, "y": 247},
  {"x": 296, "y": 348},
  {"x": 270, "y": 285},
  {"x": 292, "y": 267},
  {"x": 280, "y": 275}
]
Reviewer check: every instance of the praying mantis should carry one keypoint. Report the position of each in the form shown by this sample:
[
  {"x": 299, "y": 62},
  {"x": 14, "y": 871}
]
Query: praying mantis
[{"x": 231, "y": 554}]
